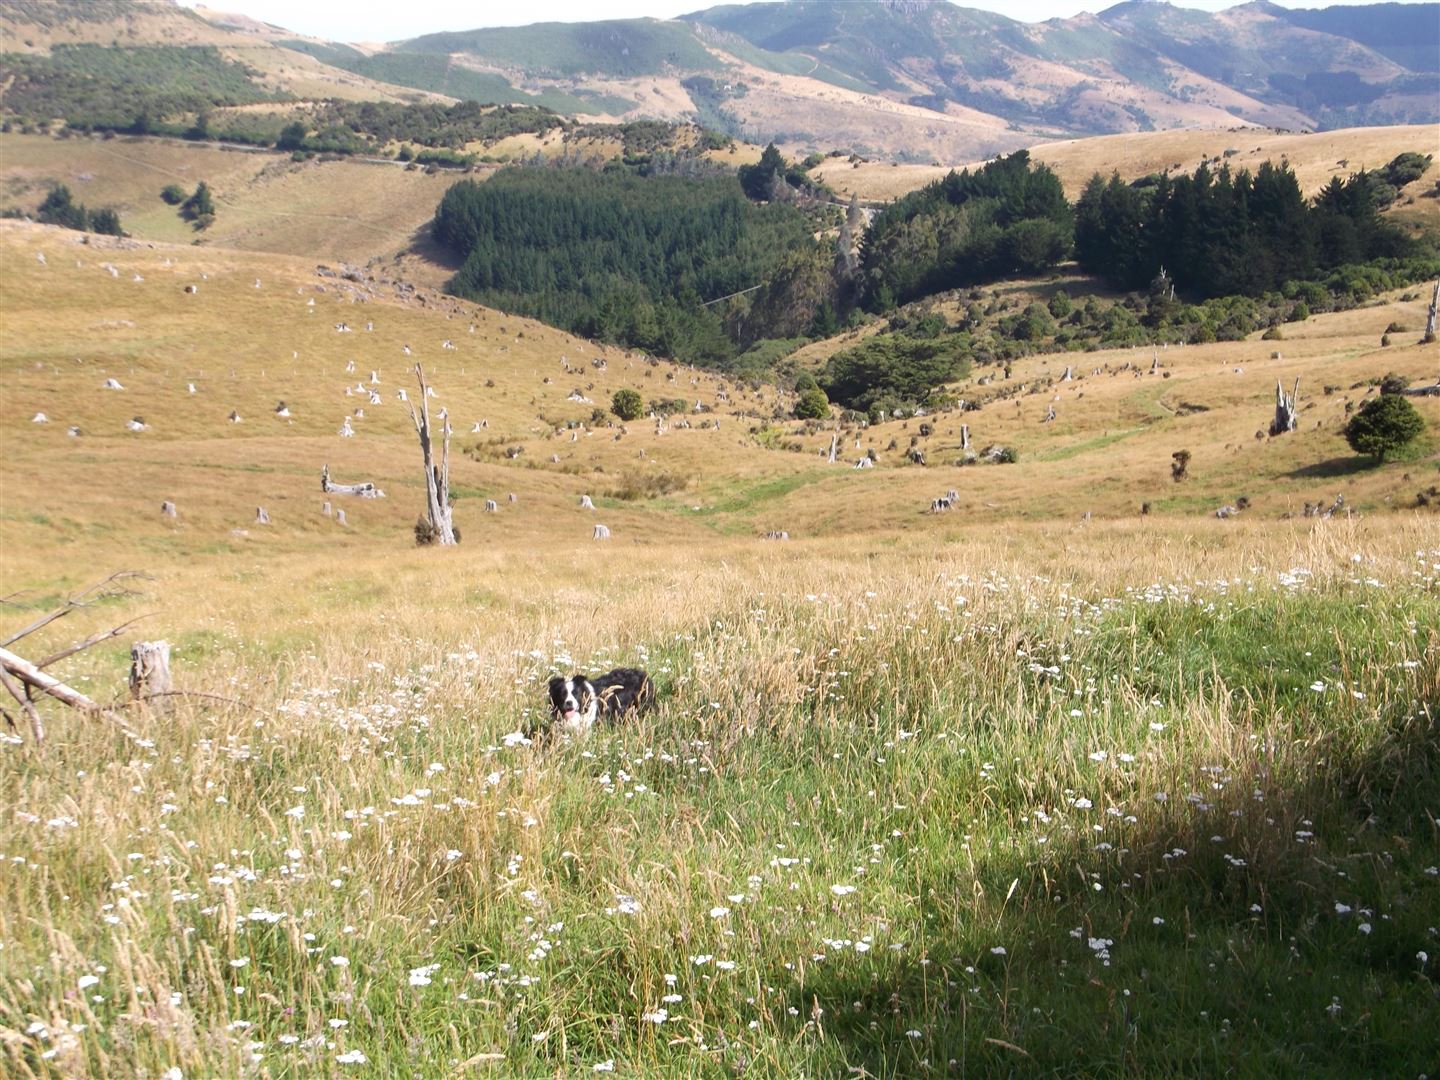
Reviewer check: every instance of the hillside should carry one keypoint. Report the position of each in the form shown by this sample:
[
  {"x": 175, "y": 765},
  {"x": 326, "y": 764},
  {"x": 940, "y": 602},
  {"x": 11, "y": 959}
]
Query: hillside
[
  {"x": 268, "y": 202},
  {"x": 1187, "y": 755},
  {"x": 69, "y": 325},
  {"x": 1313, "y": 156},
  {"x": 914, "y": 82}
]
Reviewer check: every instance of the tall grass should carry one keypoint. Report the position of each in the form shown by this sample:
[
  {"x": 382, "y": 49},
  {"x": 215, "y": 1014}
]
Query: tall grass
[{"x": 927, "y": 815}]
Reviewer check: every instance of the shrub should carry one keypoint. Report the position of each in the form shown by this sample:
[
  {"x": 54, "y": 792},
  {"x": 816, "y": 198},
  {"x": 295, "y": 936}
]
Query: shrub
[
  {"x": 813, "y": 405},
  {"x": 172, "y": 194},
  {"x": 1383, "y": 426},
  {"x": 199, "y": 205},
  {"x": 627, "y": 404},
  {"x": 1394, "y": 384}
]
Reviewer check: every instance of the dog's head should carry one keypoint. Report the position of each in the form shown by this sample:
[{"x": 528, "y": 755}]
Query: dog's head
[{"x": 573, "y": 700}]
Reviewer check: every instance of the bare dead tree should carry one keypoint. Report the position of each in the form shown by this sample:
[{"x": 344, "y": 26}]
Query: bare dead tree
[
  {"x": 1430, "y": 318},
  {"x": 437, "y": 526}
]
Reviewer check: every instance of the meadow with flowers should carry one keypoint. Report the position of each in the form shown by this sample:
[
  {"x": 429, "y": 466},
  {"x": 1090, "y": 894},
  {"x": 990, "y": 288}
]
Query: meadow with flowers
[
  {"x": 940, "y": 817},
  {"x": 1009, "y": 794}
]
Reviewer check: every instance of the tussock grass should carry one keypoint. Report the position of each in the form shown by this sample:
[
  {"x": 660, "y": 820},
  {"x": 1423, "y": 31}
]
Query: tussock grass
[
  {"x": 883, "y": 752},
  {"x": 888, "y": 812}
]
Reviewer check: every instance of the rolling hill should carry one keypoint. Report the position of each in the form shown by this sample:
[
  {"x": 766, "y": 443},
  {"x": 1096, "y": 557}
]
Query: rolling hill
[
  {"x": 913, "y": 81},
  {"x": 262, "y": 329}
]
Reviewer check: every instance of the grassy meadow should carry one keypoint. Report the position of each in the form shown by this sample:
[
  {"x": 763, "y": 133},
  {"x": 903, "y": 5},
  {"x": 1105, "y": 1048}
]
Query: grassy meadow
[{"x": 1041, "y": 786}]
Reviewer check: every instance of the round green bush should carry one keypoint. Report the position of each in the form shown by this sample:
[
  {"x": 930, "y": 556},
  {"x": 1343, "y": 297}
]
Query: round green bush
[
  {"x": 627, "y": 404},
  {"x": 1384, "y": 425}
]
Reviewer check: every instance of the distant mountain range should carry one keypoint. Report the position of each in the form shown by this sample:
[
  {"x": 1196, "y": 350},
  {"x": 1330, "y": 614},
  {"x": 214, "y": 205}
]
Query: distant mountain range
[
  {"x": 917, "y": 79},
  {"x": 1135, "y": 66}
]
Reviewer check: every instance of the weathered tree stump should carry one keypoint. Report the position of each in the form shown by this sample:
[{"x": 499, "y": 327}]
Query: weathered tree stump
[
  {"x": 964, "y": 436},
  {"x": 1430, "y": 318},
  {"x": 325, "y": 509},
  {"x": 1286, "y": 415},
  {"x": 149, "y": 670},
  {"x": 586, "y": 503},
  {"x": 438, "y": 510},
  {"x": 340, "y": 517},
  {"x": 167, "y": 509},
  {"x": 262, "y": 516},
  {"x": 602, "y": 532}
]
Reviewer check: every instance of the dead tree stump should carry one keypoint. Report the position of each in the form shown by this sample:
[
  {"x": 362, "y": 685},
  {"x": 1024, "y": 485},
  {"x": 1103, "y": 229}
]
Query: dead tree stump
[
  {"x": 1286, "y": 415},
  {"x": 1430, "y": 318},
  {"x": 149, "y": 670},
  {"x": 340, "y": 517},
  {"x": 438, "y": 511},
  {"x": 167, "y": 509},
  {"x": 964, "y": 436},
  {"x": 262, "y": 516}
]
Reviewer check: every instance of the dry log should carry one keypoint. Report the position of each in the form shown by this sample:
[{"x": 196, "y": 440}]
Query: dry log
[
  {"x": 31, "y": 675},
  {"x": 364, "y": 490}
]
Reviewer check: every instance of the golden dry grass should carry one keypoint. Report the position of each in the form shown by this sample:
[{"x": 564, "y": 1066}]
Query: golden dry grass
[
  {"x": 352, "y": 868},
  {"x": 265, "y": 201},
  {"x": 68, "y": 327},
  {"x": 1315, "y": 157}
]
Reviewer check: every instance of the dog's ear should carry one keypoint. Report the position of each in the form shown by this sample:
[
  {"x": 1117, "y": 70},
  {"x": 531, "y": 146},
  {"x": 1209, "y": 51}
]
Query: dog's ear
[
  {"x": 579, "y": 679},
  {"x": 557, "y": 687}
]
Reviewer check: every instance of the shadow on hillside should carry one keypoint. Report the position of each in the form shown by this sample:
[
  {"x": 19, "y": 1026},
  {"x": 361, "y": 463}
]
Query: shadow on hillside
[
  {"x": 1232, "y": 936},
  {"x": 425, "y": 247},
  {"x": 1326, "y": 470}
]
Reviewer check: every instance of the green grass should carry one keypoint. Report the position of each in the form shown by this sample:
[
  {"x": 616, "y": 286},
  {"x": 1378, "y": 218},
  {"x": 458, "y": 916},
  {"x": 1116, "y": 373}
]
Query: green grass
[
  {"x": 860, "y": 833},
  {"x": 756, "y": 495},
  {"x": 1099, "y": 442},
  {"x": 623, "y": 48}
]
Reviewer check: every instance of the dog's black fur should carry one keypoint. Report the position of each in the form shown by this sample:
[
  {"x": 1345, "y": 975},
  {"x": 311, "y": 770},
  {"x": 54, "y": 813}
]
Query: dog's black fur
[{"x": 577, "y": 702}]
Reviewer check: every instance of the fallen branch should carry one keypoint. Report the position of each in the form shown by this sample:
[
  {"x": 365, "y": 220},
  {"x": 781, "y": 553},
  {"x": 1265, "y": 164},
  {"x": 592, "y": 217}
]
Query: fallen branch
[
  {"x": 94, "y": 639},
  {"x": 201, "y": 694},
  {"x": 77, "y": 601},
  {"x": 365, "y": 490},
  {"x": 30, "y": 675},
  {"x": 36, "y": 727}
]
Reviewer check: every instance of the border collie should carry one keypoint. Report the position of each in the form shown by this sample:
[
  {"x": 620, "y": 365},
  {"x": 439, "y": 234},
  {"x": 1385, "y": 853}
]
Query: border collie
[{"x": 577, "y": 701}]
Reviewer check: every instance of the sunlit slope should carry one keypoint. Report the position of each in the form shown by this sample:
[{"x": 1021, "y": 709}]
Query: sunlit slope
[{"x": 730, "y": 469}]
